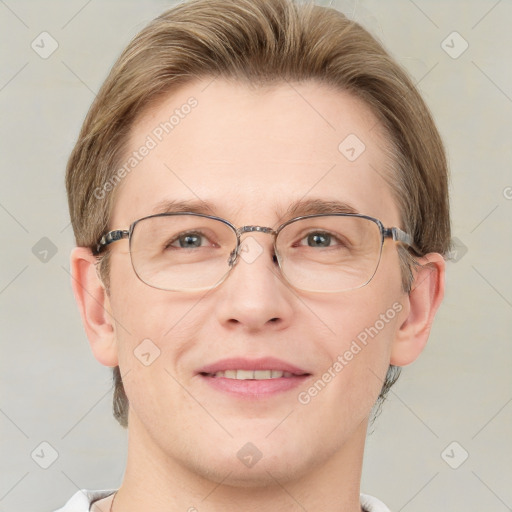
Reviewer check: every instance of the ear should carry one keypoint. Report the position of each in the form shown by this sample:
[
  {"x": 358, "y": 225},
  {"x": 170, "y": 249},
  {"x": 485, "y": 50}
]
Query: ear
[
  {"x": 423, "y": 301},
  {"x": 94, "y": 305}
]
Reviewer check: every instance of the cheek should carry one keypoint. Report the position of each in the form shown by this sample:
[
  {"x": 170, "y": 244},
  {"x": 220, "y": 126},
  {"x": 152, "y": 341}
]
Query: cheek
[
  {"x": 365, "y": 343},
  {"x": 344, "y": 392},
  {"x": 153, "y": 330},
  {"x": 365, "y": 323},
  {"x": 146, "y": 319},
  {"x": 139, "y": 310}
]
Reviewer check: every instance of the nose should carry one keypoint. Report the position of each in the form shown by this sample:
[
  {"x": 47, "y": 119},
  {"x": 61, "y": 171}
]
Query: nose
[{"x": 254, "y": 295}]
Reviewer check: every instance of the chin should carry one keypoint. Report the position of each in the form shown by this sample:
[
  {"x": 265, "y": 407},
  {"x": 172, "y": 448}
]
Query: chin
[
  {"x": 249, "y": 467},
  {"x": 263, "y": 474}
]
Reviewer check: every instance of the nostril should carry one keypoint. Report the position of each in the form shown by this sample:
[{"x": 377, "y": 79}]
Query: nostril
[{"x": 274, "y": 258}]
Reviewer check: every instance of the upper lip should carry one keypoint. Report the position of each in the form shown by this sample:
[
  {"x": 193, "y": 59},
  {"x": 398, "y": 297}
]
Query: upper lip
[{"x": 242, "y": 363}]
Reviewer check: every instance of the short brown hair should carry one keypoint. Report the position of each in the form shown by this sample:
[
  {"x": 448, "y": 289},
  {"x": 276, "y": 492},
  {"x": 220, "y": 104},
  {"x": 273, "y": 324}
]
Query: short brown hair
[{"x": 261, "y": 42}]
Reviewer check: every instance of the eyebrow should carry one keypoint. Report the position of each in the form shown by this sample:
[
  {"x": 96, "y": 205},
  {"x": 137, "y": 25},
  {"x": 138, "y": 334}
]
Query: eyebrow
[{"x": 296, "y": 209}]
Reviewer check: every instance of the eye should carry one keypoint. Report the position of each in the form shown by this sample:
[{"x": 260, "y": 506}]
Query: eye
[
  {"x": 188, "y": 240},
  {"x": 321, "y": 239}
]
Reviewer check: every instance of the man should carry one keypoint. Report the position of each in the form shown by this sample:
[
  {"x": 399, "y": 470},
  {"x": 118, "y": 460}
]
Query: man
[{"x": 259, "y": 199}]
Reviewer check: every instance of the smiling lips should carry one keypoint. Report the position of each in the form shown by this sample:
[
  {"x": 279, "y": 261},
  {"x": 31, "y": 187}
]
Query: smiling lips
[
  {"x": 251, "y": 374},
  {"x": 252, "y": 378},
  {"x": 240, "y": 368}
]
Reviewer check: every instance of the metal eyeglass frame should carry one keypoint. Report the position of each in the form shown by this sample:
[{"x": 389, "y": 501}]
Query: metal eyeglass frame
[{"x": 396, "y": 234}]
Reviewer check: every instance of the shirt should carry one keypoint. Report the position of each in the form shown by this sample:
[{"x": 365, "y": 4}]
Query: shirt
[{"x": 81, "y": 501}]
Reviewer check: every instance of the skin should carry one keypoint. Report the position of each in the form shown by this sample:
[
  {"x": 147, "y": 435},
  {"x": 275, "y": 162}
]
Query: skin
[{"x": 251, "y": 152}]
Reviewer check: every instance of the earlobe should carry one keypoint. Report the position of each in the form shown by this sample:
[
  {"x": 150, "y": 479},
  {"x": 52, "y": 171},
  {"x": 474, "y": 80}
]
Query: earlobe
[
  {"x": 94, "y": 305},
  {"x": 424, "y": 300}
]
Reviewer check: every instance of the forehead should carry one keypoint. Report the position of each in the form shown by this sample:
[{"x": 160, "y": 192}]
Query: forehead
[{"x": 251, "y": 153}]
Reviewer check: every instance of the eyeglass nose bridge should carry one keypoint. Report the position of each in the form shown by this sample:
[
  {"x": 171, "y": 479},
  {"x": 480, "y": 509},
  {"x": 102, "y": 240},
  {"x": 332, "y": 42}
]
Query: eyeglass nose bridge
[{"x": 233, "y": 257}]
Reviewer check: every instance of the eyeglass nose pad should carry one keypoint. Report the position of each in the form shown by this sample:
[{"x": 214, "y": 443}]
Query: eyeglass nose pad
[{"x": 233, "y": 257}]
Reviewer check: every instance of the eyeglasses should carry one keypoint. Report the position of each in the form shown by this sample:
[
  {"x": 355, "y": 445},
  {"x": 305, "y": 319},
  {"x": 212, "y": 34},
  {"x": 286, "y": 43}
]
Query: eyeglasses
[{"x": 319, "y": 253}]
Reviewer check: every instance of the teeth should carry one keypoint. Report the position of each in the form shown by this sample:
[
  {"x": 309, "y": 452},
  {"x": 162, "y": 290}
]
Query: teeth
[
  {"x": 253, "y": 374},
  {"x": 244, "y": 374}
]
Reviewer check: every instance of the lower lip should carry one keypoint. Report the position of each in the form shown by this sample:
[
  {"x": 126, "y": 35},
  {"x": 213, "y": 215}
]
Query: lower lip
[{"x": 253, "y": 389}]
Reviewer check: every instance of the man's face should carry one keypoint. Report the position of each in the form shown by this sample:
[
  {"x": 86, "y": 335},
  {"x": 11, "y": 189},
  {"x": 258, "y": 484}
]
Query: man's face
[{"x": 251, "y": 154}]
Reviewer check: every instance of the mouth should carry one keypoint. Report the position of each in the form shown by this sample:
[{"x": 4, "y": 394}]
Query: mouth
[
  {"x": 251, "y": 374},
  {"x": 252, "y": 379}
]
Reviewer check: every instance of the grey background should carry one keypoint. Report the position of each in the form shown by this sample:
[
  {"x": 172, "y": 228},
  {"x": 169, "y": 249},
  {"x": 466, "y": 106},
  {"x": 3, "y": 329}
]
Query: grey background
[{"x": 54, "y": 391}]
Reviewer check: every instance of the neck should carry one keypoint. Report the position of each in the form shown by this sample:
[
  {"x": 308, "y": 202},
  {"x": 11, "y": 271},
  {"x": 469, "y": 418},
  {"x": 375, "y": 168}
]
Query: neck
[{"x": 158, "y": 481}]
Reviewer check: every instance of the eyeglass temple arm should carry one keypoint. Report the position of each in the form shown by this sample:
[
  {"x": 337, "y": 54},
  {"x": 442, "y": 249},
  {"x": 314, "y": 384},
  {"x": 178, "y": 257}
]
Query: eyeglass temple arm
[
  {"x": 401, "y": 236},
  {"x": 111, "y": 237}
]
